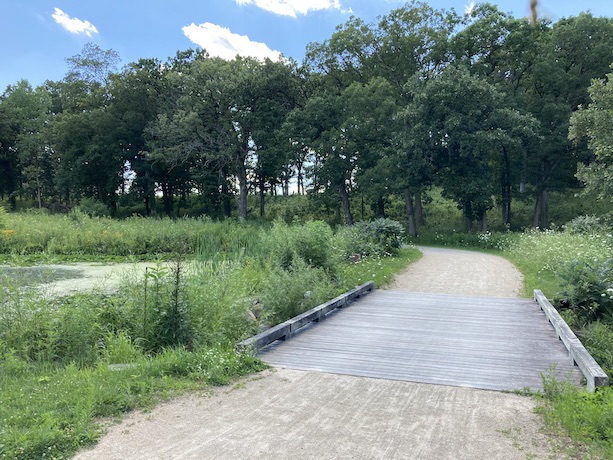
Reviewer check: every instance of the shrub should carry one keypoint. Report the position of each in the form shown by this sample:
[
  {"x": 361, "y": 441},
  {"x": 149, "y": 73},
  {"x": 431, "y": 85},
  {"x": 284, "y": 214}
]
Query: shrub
[
  {"x": 310, "y": 242},
  {"x": 583, "y": 225},
  {"x": 93, "y": 207},
  {"x": 376, "y": 237},
  {"x": 598, "y": 339},
  {"x": 287, "y": 293},
  {"x": 587, "y": 287}
]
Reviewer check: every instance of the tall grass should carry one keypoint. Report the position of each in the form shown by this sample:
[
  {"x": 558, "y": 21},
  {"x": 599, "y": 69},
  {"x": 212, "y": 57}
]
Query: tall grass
[
  {"x": 558, "y": 263},
  {"x": 80, "y": 235},
  {"x": 64, "y": 362}
]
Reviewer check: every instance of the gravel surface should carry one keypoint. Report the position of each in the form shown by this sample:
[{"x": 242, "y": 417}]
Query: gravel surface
[
  {"x": 459, "y": 272},
  {"x": 292, "y": 414}
]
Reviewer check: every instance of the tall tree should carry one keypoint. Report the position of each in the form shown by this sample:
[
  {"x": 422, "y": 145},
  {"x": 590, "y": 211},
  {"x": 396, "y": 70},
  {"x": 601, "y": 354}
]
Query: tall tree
[
  {"x": 461, "y": 122},
  {"x": 595, "y": 122}
]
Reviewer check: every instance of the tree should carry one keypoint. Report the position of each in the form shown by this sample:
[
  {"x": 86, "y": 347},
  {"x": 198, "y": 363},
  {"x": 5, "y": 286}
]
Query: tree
[
  {"x": 25, "y": 150},
  {"x": 595, "y": 122},
  {"x": 136, "y": 97},
  {"x": 572, "y": 53},
  {"x": 461, "y": 123}
]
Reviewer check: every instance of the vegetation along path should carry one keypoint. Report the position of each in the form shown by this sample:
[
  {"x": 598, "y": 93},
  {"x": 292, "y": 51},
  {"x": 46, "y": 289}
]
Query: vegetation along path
[{"x": 288, "y": 413}]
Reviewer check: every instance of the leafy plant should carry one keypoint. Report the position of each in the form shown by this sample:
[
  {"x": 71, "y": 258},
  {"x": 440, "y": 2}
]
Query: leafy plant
[
  {"x": 587, "y": 287},
  {"x": 376, "y": 237},
  {"x": 310, "y": 242},
  {"x": 583, "y": 225},
  {"x": 289, "y": 292},
  {"x": 3, "y": 217}
]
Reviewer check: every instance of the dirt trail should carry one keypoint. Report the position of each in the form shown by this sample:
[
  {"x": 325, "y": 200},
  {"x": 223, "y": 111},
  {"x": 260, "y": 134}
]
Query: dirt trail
[
  {"x": 459, "y": 272},
  {"x": 293, "y": 414}
]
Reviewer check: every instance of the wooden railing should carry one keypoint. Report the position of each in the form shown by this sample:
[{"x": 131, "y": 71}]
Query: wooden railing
[
  {"x": 286, "y": 329},
  {"x": 593, "y": 373}
]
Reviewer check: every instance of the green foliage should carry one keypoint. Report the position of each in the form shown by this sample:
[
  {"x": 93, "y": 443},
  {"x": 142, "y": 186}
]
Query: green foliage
[
  {"x": 291, "y": 291},
  {"x": 499, "y": 241},
  {"x": 594, "y": 123},
  {"x": 540, "y": 254},
  {"x": 587, "y": 287},
  {"x": 597, "y": 337},
  {"x": 585, "y": 417},
  {"x": 228, "y": 240},
  {"x": 372, "y": 238},
  {"x": 379, "y": 269},
  {"x": 64, "y": 362},
  {"x": 93, "y": 207},
  {"x": 4, "y": 217},
  {"x": 309, "y": 242},
  {"x": 51, "y": 412},
  {"x": 584, "y": 225}
]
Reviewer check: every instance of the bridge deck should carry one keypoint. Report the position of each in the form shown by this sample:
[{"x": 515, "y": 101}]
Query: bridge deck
[{"x": 479, "y": 342}]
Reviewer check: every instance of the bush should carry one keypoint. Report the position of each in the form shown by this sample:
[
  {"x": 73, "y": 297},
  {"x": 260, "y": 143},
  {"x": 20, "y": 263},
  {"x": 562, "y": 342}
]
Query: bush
[
  {"x": 583, "y": 225},
  {"x": 598, "y": 339},
  {"x": 310, "y": 242},
  {"x": 374, "y": 238},
  {"x": 93, "y": 207},
  {"x": 287, "y": 293},
  {"x": 587, "y": 287}
]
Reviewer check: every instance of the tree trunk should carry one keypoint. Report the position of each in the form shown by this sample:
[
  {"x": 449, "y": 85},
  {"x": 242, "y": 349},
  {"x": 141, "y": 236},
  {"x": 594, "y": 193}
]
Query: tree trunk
[
  {"x": 39, "y": 193},
  {"x": 262, "y": 196},
  {"x": 225, "y": 194},
  {"x": 483, "y": 222},
  {"x": 342, "y": 191},
  {"x": 468, "y": 217},
  {"x": 540, "y": 210},
  {"x": 381, "y": 207},
  {"x": 242, "y": 189},
  {"x": 300, "y": 179},
  {"x": 505, "y": 181},
  {"x": 408, "y": 199},
  {"x": 147, "y": 190},
  {"x": 167, "y": 198},
  {"x": 419, "y": 210}
]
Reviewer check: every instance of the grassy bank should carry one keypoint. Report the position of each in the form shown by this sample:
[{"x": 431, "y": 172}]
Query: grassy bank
[{"x": 67, "y": 362}]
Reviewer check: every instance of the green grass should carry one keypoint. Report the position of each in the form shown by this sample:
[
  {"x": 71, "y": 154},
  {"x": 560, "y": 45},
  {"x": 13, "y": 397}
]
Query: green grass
[
  {"x": 381, "y": 270},
  {"x": 50, "y": 412},
  {"x": 172, "y": 331}
]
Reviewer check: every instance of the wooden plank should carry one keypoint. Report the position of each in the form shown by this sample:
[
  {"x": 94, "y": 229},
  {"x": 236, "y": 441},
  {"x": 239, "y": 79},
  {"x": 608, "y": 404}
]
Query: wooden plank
[{"x": 501, "y": 344}]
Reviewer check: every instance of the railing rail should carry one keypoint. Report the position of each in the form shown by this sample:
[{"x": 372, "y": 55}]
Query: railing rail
[
  {"x": 287, "y": 328},
  {"x": 593, "y": 373}
]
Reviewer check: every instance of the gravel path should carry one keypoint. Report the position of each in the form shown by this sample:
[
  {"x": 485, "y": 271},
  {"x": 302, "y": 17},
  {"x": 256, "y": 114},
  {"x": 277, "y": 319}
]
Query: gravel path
[
  {"x": 292, "y": 414},
  {"x": 459, "y": 272}
]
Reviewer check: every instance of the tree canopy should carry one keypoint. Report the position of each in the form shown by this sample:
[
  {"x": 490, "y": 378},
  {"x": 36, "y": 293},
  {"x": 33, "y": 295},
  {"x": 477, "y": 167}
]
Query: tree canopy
[{"x": 479, "y": 106}]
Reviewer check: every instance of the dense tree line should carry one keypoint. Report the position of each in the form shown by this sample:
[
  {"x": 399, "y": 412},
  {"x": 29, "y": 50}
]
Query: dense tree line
[{"x": 478, "y": 105}]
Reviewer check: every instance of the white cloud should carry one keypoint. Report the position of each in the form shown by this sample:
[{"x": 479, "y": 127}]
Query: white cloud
[
  {"x": 221, "y": 42},
  {"x": 74, "y": 25},
  {"x": 292, "y": 7},
  {"x": 468, "y": 10}
]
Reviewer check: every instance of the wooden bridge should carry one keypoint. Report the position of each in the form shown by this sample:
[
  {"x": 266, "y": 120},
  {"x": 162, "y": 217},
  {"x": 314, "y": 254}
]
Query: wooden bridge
[{"x": 479, "y": 342}]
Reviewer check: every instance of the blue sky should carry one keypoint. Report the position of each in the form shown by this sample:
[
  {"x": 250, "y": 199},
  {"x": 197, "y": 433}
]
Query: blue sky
[{"x": 37, "y": 35}]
